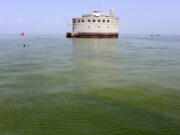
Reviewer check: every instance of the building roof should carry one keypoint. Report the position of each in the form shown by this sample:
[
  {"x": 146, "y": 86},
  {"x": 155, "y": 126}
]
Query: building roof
[{"x": 96, "y": 14}]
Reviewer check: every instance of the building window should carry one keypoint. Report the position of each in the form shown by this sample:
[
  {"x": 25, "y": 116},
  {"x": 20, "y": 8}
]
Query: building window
[
  {"x": 79, "y": 21},
  {"x": 74, "y": 21},
  {"x": 82, "y": 20},
  {"x": 99, "y": 27},
  {"x": 94, "y": 20},
  {"x": 89, "y": 20},
  {"x": 108, "y": 21},
  {"x": 104, "y": 21},
  {"x": 99, "y": 20}
]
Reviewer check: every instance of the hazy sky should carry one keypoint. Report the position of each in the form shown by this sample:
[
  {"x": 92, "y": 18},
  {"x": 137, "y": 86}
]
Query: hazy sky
[{"x": 53, "y": 16}]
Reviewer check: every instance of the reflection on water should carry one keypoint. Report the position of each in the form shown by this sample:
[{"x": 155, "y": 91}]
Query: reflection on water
[
  {"x": 92, "y": 58},
  {"x": 96, "y": 45},
  {"x": 90, "y": 86},
  {"x": 94, "y": 51}
]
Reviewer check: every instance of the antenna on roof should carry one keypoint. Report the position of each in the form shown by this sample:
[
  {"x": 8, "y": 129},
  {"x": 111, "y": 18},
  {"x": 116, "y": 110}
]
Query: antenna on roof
[
  {"x": 99, "y": 5},
  {"x": 96, "y": 5}
]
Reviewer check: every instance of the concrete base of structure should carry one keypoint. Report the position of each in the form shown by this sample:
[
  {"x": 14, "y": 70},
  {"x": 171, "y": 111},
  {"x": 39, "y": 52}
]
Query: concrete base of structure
[{"x": 92, "y": 35}]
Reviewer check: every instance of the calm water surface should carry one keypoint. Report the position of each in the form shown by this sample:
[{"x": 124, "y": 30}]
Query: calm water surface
[{"x": 59, "y": 86}]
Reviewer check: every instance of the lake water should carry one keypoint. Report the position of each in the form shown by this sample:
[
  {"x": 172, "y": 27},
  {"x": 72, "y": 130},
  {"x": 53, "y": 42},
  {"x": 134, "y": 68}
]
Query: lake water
[{"x": 59, "y": 86}]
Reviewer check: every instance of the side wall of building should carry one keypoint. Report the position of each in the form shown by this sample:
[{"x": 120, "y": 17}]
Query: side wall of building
[{"x": 95, "y": 25}]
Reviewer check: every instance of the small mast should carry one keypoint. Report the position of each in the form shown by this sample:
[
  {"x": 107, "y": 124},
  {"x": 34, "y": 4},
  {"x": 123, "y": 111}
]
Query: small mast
[{"x": 112, "y": 12}]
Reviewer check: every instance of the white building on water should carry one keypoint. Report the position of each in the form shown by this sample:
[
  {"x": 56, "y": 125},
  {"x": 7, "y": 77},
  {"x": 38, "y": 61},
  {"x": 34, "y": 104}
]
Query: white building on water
[{"x": 95, "y": 24}]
